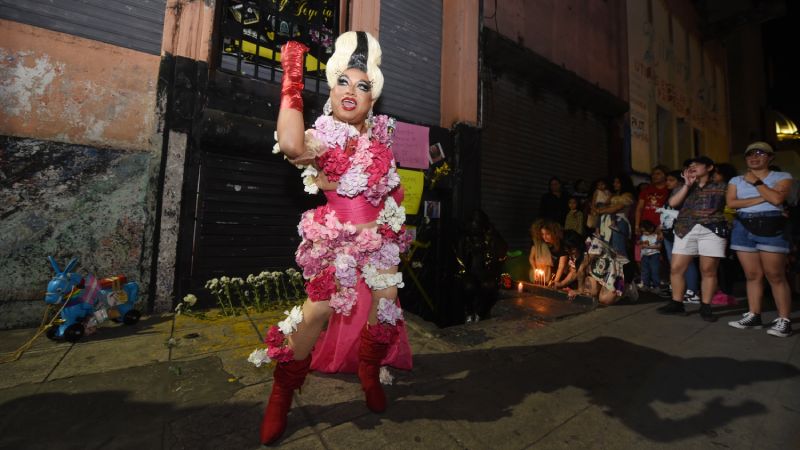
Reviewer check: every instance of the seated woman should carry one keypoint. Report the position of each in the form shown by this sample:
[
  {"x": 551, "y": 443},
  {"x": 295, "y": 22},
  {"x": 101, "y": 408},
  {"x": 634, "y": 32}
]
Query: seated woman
[
  {"x": 574, "y": 247},
  {"x": 539, "y": 257},
  {"x": 553, "y": 235},
  {"x": 604, "y": 269}
]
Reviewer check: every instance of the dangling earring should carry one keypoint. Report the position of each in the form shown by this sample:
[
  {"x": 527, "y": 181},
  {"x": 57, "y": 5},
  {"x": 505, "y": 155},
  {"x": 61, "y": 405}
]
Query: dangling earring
[
  {"x": 369, "y": 124},
  {"x": 327, "y": 109}
]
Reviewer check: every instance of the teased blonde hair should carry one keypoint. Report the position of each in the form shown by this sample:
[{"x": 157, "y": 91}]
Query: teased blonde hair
[{"x": 340, "y": 61}]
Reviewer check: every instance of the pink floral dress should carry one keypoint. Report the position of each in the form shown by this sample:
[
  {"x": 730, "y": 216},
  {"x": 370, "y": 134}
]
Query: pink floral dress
[{"x": 342, "y": 263}]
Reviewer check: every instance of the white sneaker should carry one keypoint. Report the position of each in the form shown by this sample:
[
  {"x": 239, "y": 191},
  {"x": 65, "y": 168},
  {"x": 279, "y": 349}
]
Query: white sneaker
[
  {"x": 691, "y": 297},
  {"x": 781, "y": 327}
]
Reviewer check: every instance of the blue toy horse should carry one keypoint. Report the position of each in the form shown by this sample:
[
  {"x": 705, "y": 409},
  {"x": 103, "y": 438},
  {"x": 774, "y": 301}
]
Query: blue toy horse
[{"x": 88, "y": 303}]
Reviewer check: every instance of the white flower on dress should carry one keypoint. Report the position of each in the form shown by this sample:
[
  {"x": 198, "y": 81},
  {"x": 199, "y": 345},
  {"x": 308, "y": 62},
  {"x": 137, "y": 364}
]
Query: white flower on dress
[
  {"x": 259, "y": 357},
  {"x": 276, "y": 148},
  {"x": 385, "y": 376},
  {"x": 309, "y": 177},
  {"x": 392, "y": 214},
  {"x": 377, "y": 281},
  {"x": 389, "y": 312},
  {"x": 293, "y": 318}
]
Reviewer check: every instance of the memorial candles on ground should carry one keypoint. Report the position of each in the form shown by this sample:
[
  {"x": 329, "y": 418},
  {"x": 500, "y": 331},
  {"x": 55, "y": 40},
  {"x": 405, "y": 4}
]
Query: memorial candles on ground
[{"x": 538, "y": 277}]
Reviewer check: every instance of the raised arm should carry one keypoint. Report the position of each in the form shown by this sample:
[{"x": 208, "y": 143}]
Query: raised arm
[{"x": 291, "y": 127}]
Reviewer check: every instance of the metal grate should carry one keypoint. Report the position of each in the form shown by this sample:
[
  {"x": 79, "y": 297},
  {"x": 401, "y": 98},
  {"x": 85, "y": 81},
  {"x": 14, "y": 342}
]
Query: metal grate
[{"x": 252, "y": 31}]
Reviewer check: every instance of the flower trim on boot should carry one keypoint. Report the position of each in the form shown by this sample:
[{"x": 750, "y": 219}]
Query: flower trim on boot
[{"x": 276, "y": 340}]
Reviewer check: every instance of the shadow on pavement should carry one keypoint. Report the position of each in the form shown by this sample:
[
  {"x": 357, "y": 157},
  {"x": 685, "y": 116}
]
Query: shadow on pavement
[{"x": 659, "y": 396}]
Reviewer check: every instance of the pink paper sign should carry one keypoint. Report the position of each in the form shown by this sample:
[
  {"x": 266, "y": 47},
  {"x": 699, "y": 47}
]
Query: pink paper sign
[{"x": 410, "y": 145}]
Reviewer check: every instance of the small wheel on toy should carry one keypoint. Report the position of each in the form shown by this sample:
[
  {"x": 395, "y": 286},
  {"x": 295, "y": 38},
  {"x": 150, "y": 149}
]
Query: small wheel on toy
[
  {"x": 131, "y": 317},
  {"x": 74, "y": 332},
  {"x": 52, "y": 333}
]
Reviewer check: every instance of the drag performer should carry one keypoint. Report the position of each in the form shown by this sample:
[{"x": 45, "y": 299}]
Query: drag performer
[{"x": 351, "y": 246}]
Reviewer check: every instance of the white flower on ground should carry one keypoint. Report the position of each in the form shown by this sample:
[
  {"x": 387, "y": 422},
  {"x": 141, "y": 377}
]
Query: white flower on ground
[
  {"x": 293, "y": 318},
  {"x": 392, "y": 214},
  {"x": 259, "y": 357},
  {"x": 389, "y": 312},
  {"x": 190, "y": 299}
]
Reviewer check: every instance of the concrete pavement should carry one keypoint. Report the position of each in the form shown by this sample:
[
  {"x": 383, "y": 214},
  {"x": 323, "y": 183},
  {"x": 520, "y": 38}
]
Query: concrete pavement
[{"x": 621, "y": 377}]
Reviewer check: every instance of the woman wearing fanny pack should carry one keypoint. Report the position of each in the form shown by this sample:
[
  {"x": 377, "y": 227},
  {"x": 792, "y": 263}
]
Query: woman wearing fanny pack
[{"x": 758, "y": 236}]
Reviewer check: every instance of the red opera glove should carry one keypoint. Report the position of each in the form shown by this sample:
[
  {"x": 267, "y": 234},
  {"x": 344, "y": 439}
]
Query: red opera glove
[{"x": 292, "y": 61}]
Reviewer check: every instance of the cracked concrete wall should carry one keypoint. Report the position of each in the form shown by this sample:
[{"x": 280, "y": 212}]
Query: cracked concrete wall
[
  {"x": 67, "y": 200},
  {"x": 59, "y": 87},
  {"x": 170, "y": 222}
]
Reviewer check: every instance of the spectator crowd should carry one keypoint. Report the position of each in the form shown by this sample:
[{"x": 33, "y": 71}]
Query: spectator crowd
[{"x": 687, "y": 235}]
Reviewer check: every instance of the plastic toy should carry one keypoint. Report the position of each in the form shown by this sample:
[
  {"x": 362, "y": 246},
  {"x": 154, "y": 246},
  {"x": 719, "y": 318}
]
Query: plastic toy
[{"x": 87, "y": 301}]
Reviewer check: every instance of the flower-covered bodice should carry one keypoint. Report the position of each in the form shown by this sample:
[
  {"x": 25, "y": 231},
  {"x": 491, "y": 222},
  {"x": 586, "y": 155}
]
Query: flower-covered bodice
[{"x": 361, "y": 164}]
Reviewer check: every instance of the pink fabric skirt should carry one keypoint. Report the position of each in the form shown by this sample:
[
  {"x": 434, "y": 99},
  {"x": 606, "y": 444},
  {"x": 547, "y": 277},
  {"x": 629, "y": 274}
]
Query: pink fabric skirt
[{"x": 337, "y": 347}]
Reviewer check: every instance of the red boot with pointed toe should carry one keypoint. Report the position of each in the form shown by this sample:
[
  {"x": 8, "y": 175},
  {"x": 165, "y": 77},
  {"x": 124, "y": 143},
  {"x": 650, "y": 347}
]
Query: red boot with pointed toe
[
  {"x": 288, "y": 376},
  {"x": 375, "y": 341}
]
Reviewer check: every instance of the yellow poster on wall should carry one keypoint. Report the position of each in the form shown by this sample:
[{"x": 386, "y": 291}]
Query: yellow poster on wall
[{"x": 413, "y": 182}]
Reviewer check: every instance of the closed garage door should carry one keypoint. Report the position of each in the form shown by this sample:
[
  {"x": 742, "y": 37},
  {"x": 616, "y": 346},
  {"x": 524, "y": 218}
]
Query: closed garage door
[{"x": 530, "y": 135}]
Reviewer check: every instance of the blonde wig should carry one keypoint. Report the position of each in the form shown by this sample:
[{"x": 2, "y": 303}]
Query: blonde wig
[{"x": 356, "y": 50}]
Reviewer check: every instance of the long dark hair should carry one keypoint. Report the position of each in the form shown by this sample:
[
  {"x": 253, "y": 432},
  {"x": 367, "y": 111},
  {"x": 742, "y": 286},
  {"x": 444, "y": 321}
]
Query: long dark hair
[{"x": 625, "y": 182}]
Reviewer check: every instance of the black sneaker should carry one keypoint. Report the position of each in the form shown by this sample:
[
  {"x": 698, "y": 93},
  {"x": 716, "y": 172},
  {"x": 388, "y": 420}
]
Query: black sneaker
[
  {"x": 780, "y": 327},
  {"x": 705, "y": 313},
  {"x": 748, "y": 320},
  {"x": 673, "y": 307}
]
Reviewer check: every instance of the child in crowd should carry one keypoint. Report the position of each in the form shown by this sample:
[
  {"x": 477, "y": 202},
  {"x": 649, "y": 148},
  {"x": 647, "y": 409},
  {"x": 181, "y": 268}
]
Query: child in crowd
[
  {"x": 553, "y": 236},
  {"x": 574, "y": 219},
  {"x": 650, "y": 246},
  {"x": 539, "y": 257},
  {"x": 600, "y": 198}
]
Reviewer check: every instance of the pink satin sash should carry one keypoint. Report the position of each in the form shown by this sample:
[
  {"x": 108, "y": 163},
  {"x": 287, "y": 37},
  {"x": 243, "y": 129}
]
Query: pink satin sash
[{"x": 354, "y": 210}]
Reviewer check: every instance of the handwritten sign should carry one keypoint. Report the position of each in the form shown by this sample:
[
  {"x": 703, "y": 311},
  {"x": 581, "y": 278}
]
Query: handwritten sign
[
  {"x": 411, "y": 145},
  {"x": 413, "y": 182}
]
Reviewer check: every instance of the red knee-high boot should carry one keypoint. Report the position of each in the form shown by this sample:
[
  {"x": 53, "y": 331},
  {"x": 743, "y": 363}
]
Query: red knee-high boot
[
  {"x": 375, "y": 340},
  {"x": 288, "y": 376}
]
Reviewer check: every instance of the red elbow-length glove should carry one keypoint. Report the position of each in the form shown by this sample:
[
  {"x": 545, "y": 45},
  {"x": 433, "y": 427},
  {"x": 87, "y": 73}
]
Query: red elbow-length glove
[{"x": 292, "y": 61}]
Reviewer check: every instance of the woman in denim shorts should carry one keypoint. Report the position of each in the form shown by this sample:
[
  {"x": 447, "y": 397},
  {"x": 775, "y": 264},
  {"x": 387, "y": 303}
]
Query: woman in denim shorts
[{"x": 759, "y": 237}]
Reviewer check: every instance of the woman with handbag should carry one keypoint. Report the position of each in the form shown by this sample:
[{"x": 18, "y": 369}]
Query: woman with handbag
[
  {"x": 759, "y": 238},
  {"x": 700, "y": 230}
]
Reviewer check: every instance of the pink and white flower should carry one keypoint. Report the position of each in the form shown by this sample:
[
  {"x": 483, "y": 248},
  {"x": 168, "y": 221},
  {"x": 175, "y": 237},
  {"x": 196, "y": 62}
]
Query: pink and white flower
[
  {"x": 343, "y": 301},
  {"x": 389, "y": 312}
]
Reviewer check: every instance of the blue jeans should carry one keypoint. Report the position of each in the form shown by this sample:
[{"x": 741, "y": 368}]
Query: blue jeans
[
  {"x": 692, "y": 274},
  {"x": 619, "y": 238},
  {"x": 650, "y": 267}
]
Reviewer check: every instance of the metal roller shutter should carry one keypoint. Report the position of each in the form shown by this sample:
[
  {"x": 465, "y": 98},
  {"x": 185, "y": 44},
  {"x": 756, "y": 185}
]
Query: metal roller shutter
[
  {"x": 411, "y": 41},
  {"x": 527, "y": 138},
  {"x": 134, "y": 24}
]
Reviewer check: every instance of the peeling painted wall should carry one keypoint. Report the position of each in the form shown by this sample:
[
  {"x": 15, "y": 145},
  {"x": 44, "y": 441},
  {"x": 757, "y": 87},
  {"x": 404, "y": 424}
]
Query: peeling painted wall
[
  {"x": 59, "y": 87},
  {"x": 79, "y": 159},
  {"x": 68, "y": 200}
]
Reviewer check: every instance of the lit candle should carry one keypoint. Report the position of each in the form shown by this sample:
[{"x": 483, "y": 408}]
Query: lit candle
[{"x": 519, "y": 287}]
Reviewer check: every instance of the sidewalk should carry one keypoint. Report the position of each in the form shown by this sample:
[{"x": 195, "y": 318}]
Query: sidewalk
[{"x": 618, "y": 377}]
